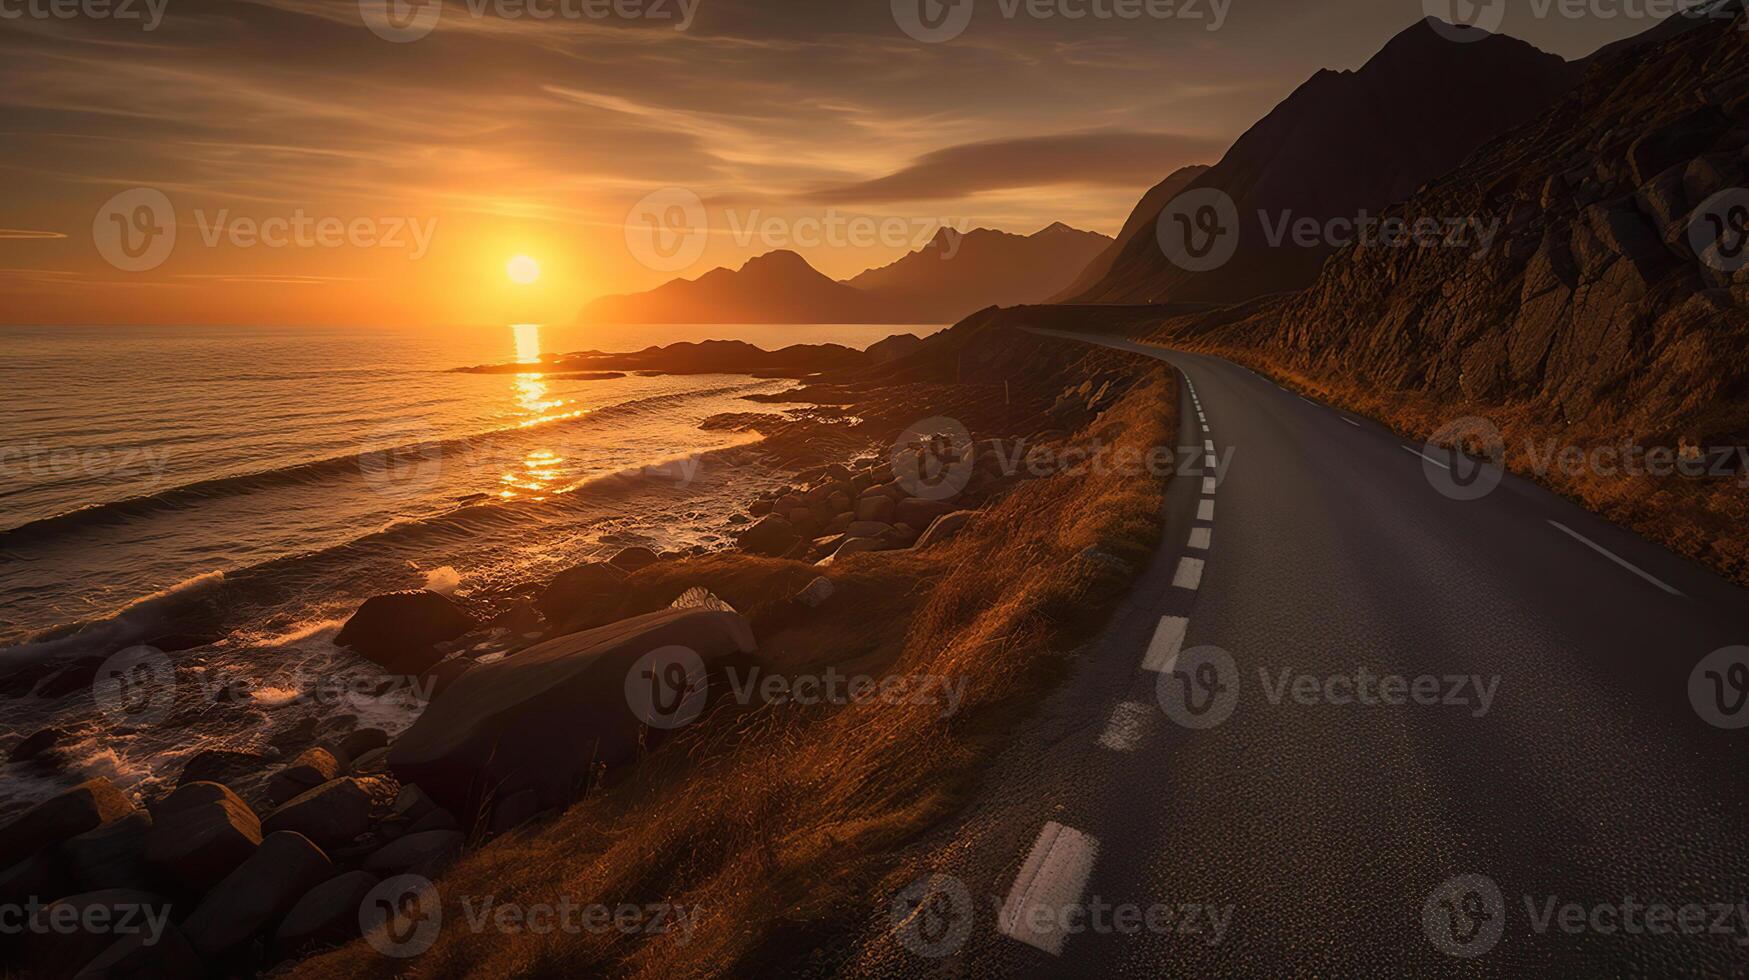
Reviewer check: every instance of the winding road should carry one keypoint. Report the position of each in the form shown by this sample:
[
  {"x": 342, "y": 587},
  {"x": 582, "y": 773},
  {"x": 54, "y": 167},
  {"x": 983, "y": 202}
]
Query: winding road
[{"x": 1350, "y": 724}]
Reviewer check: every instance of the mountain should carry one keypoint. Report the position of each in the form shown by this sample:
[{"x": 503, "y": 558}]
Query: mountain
[
  {"x": 1141, "y": 221},
  {"x": 957, "y": 274},
  {"x": 954, "y": 275},
  {"x": 777, "y": 287},
  {"x": 1343, "y": 143}
]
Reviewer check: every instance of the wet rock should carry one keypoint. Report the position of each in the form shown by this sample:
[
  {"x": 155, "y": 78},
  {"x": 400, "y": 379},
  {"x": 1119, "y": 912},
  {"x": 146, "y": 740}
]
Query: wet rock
[
  {"x": 583, "y": 596},
  {"x": 327, "y": 914},
  {"x": 221, "y": 766},
  {"x": 85, "y": 807},
  {"x": 258, "y": 893},
  {"x": 33, "y": 746},
  {"x": 363, "y": 740},
  {"x": 112, "y": 856},
  {"x": 632, "y": 559},
  {"x": 201, "y": 833},
  {"x": 399, "y": 630},
  {"x": 771, "y": 536},
  {"x": 538, "y": 719},
  {"x": 334, "y": 813},
  {"x": 423, "y": 852},
  {"x": 311, "y": 768}
]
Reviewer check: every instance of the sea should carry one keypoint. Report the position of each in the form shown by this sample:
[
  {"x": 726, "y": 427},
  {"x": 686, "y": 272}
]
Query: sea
[{"x": 241, "y": 490}]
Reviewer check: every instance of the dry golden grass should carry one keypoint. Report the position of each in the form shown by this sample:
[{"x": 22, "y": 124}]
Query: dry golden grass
[
  {"x": 778, "y": 823},
  {"x": 1702, "y": 518}
]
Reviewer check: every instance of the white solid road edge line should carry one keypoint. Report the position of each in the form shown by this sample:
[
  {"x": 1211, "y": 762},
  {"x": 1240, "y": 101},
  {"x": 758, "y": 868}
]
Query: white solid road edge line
[
  {"x": 1189, "y": 574},
  {"x": 1612, "y": 556},
  {"x": 1351, "y": 421},
  {"x": 1052, "y": 879},
  {"x": 1162, "y": 653},
  {"x": 1430, "y": 459}
]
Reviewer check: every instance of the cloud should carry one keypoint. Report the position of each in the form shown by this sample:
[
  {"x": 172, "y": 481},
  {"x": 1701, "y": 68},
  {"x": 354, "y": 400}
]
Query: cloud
[
  {"x": 1100, "y": 158},
  {"x": 25, "y": 234}
]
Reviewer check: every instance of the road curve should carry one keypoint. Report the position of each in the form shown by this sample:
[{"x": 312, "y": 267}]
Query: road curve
[{"x": 1343, "y": 814}]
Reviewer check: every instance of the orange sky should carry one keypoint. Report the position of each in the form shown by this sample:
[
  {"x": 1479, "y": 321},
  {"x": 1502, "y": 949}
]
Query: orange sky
[{"x": 416, "y": 169}]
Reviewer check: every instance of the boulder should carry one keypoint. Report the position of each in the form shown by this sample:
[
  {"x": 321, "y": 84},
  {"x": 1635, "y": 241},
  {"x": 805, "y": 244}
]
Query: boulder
[
  {"x": 515, "y": 810},
  {"x": 87, "y": 806},
  {"x": 856, "y": 546},
  {"x": 34, "y": 745},
  {"x": 868, "y": 529},
  {"x": 310, "y": 768},
  {"x": 37, "y": 875},
  {"x": 583, "y": 596},
  {"x": 540, "y": 719},
  {"x": 142, "y": 956},
  {"x": 220, "y": 766},
  {"x": 632, "y": 559},
  {"x": 435, "y": 819},
  {"x": 770, "y": 535},
  {"x": 327, "y": 914},
  {"x": 334, "y": 813},
  {"x": 441, "y": 677},
  {"x": 944, "y": 527},
  {"x": 399, "y": 630},
  {"x": 815, "y": 593},
  {"x": 1685, "y": 137},
  {"x": 422, "y": 852},
  {"x": 258, "y": 893},
  {"x": 875, "y": 506},
  {"x": 372, "y": 763},
  {"x": 111, "y": 856},
  {"x": 918, "y": 512},
  {"x": 70, "y": 932},
  {"x": 201, "y": 833},
  {"x": 361, "y": 741}
]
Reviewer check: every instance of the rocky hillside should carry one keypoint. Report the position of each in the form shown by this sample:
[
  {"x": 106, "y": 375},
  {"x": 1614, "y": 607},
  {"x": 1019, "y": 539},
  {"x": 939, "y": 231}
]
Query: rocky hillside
[
  {"x": 957, "y": 274},
  {"x": 777, "y": 287},
  {"x": 1140, "y": 223},
  {"x": 1343, "y": 143}
]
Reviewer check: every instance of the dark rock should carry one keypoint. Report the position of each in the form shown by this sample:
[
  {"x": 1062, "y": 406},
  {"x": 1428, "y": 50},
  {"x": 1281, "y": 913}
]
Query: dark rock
[
  {"x": 515, "y": 810},
  {"x": 363, "y": 740},
  {"x": 411, "y": 803},
  {"x": 944, "y": 527},
  {"x": 311, "y": 768},
  {"x": 334, "y": 813},
  {"x": 201, "y": 833},
  {"x": 42, "y": 873},
  {"x": 919, "y": 512},
  {"x": 632, "y": 559},
  {"x": 220, "y": 766},
  {"x": 443, "y": 676},
  {"x": 771, "y": 536},
  {"x": 583, "y": 597},
  {"x": 435, "y": 819},
  {"x": 62, "y": 938},
  {"x": 423, "y": 852},
  {"x": 139, "y": 957},
  {"x": 541, "y": 718},
  {"x": 399, "y": 630},
  {"x": 327, "y": 914},
  {"x": 85, "y": 807},
  {"x": 1674, "y": 142},
  {"x": 111, "y": 856},
  {"x": 35, "y": 744},
  {"x": 875, "y": 506},
  {"x": 372, "y": 763},
  {"x": 520, "y": 617},
  {"x": 255, "y": 896},
  {"x": 815, "y": 593}
]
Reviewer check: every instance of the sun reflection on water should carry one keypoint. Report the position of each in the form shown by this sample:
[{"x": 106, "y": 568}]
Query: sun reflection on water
[{"x": 540, "y": 468}]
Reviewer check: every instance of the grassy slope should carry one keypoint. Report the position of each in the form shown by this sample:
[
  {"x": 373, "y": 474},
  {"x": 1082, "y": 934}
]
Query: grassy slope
[{"x": 777, "y": 822}]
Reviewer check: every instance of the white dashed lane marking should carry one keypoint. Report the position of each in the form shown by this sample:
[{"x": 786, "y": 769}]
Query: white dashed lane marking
[
  {"x": 1612, "y": 556},
  {"x": 1208, "y": 445},
  {"x": 1209, "y": 461},
  {"x": 1051, "y": 880},
  {"x": 1208, "y": 485},
  {"x": 1168, "y": 640},
  {"x": 1205, "y": 510},
  {"x": 1189, "y": 574},
  {"x": 1199, "y": 538},
  {"x": 1129, "y": 722}
]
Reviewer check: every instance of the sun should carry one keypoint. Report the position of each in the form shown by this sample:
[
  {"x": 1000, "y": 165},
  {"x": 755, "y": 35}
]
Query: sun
[{"x": 523, "y": 270}]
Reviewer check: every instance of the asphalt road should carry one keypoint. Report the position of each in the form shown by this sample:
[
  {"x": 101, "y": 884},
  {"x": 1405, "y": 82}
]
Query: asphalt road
[{"x": 1336, "y": 690}]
